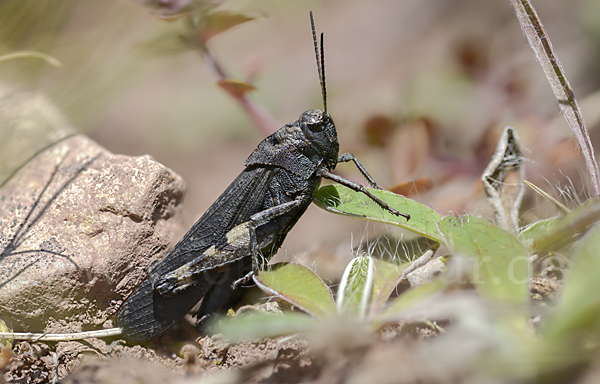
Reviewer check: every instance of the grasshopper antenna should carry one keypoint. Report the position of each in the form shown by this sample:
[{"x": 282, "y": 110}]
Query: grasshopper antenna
[{"x": 320, "y": 56}]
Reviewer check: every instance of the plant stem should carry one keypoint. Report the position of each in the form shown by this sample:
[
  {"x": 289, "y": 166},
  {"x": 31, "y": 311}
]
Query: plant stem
[
  {"x": 540, "y": 43},
  {"x": 60, "y": 336},
  {"x": 263, "y": 120}
]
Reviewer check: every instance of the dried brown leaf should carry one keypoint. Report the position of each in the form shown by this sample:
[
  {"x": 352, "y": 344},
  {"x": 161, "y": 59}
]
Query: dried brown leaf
[
  {"x": 220, "y": 21},
  {"x": 237, "y": 89}
]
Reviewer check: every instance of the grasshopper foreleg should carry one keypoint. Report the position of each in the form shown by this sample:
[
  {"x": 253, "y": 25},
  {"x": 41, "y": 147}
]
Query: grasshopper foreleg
[
  {"x": 324, "y": 173},
  {"x": 346, "y": 157}
]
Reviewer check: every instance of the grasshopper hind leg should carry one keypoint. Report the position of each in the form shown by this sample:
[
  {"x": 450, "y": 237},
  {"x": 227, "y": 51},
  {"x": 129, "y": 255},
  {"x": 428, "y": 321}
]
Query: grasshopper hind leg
[
  {"x": 222, "y": 296},
  {"x": 146, "y": 314}
]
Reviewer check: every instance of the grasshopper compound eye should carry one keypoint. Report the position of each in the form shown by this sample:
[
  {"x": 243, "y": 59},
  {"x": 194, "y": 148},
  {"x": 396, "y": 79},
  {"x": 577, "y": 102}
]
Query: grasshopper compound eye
[{"x": 315, "y": 122}]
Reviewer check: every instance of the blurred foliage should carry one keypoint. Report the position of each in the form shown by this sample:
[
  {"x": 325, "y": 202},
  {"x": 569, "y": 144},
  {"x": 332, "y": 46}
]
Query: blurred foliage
[
  {"x": 91, "y": 75},
  {"x": 103, "y": 47},
  {"x": 5, "y": 343}
]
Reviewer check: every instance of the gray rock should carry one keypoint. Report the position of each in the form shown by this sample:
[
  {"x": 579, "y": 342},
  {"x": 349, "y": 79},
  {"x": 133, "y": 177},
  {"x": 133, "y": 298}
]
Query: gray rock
[{"x": 78, "y": 224}]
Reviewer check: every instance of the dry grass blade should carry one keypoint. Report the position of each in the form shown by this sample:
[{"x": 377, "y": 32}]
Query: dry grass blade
[
  {"x": 31, "y": 55},
  {"x": 540, "y": 43},
  {"x": 546, "y": 196},
  {"x": 60, "y": 336}
]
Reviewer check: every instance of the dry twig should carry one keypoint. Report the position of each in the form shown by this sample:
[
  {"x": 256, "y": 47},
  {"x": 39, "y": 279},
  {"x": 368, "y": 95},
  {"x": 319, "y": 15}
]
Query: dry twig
[{"x": 540, "y": 43}]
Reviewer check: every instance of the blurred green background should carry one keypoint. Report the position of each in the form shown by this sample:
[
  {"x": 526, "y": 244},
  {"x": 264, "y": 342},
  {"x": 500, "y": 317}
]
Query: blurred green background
[{"x": 417, "y": 88}]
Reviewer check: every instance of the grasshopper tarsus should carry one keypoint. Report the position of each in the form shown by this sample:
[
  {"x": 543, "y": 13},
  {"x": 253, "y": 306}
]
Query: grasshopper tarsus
[
  {"x": 346, "y": 157},
  {"x": 201, "y": 321},
  {"x": 359, "y": 188},
  {"x": 242, "y": 280}
]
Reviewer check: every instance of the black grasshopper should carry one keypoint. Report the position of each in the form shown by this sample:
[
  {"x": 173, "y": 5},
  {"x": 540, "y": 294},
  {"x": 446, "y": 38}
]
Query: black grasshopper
[{"x": 249, "y": 221}]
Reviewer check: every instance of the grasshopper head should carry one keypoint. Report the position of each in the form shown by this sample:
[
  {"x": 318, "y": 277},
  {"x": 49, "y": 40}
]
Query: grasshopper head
[{"x": 319, "y": 129}]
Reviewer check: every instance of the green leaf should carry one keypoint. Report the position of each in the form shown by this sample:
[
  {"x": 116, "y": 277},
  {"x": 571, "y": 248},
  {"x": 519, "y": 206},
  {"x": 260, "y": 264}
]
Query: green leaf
[
  {"x": 261, "y": 325},
  {"x": 386, "y": 279},
  {"x": 500, "y": 263},
  {"x": 566, "y": 230},
  {"x": 342, "y": 200},
  {"x": 355, "y": 288},
  {"x": 579, "y": 308},
  {"x": 537, "y": 229},
  {"x": 407, "y": 300},
  {"x": 572, "y": 329},
  {"x": 299, "y": 286},
  {"x": 5, "y": 343}
]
